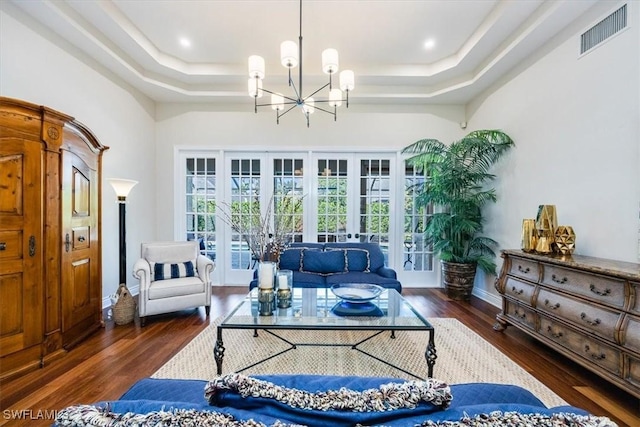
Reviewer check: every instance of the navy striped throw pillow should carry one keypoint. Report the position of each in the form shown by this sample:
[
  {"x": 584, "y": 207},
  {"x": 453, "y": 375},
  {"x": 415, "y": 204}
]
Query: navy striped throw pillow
[{"x": 172, "y": 271}]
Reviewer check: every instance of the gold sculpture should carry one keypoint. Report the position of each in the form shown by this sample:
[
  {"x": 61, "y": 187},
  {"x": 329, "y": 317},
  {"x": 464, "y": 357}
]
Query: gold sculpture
[
  {"x": 529, "y": 235},
  {"x": 546, "y": 223},
  {"x": 565, "y": 239}
]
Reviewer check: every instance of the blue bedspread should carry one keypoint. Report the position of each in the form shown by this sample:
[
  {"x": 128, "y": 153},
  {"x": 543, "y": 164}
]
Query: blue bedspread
[{"x": 468, "y": 399}]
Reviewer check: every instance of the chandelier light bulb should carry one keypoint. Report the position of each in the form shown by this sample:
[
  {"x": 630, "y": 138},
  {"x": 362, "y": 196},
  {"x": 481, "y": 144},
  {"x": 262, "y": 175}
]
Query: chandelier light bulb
[
  {"x": 252, "y": 83},
  {"x": 309, "y": 106},
  {"x": 347, "y": 80},
  {"x": 289, "y": 54},
  {"x": 277, "y": 101},
  {"x": 256, "y": 66},
  {"x": 335, "y": 97},
  {"x": 330, "y": 61}
]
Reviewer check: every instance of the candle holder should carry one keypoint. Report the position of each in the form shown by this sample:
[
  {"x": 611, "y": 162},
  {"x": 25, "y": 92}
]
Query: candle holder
[
  {"x": 266, "y": 275},
  {"x": 266, "y": 302},
  {"x": 284, "y": 298}
]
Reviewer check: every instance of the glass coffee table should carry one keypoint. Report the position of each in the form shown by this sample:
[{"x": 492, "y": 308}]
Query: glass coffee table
[{"x": 315, "y": 310}]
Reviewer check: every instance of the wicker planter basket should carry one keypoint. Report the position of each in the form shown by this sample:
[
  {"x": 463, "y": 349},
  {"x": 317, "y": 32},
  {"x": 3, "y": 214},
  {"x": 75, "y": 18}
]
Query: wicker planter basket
[{"x": 125, "y": 308}]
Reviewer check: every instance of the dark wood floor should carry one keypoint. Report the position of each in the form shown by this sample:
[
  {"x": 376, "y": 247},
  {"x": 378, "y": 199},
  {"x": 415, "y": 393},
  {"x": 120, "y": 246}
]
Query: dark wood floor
[{"x": 104, "y": 366}]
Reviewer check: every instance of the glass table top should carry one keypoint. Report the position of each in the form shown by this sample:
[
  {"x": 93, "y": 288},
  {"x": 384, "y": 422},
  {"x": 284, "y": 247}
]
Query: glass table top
[{"x": 315, "y": 308}]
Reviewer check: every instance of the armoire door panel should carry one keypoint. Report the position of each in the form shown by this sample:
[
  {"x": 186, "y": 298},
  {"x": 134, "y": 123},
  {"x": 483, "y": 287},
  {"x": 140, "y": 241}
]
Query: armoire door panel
[
  {"x": 12, "y": 167},
  {"x": 81, "y": 237},
  {"x": 10, "y": 244},
  {"x": 21, "y": 289},
  {"x": 81, "y": 289},
  {"x": 81, "y": 194},
  {"x": 11, "y": 320}
]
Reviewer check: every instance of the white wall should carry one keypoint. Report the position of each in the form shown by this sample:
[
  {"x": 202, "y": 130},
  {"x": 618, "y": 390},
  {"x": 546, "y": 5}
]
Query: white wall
[
  {"x": 575, "y": 121},
  {"x": 35, "y": 69}
]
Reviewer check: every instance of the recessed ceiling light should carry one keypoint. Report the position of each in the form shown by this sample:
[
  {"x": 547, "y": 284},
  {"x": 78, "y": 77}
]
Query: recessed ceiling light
[
  {"x": 185, "y": 42},
  {"x": 429, "y": 44}
]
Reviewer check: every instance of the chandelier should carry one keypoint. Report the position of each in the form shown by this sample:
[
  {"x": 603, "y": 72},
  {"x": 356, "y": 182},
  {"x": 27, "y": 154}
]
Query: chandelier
[{"x": 291, "y": 57}]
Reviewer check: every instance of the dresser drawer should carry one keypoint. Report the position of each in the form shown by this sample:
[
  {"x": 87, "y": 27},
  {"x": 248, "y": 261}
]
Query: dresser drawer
[
  {"x": 592, "y": 350},
  {"x": 521, "y": 314},
  {"x": 630, "y": 334},
  {"x": 632, "y": 370},
  {"x": 524, "y": 269},
  {"x": 522, "y": 291},
  {"x": 599, "y": 320},
  {"x": 598, "y": 288}
]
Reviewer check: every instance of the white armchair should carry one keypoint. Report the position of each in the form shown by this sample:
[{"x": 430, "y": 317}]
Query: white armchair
[{"x": 173, "y": 276}]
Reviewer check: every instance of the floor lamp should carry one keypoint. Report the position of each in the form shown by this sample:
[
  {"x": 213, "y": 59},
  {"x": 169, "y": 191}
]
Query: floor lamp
[{"x": 122, "y": 188}]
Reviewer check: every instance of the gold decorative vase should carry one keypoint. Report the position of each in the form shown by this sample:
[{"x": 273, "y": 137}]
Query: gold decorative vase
[
  {"x": 546, "y": 223},
  {"x": 529, "y": 235},
  {"x": 565, "y": 239},
  {"x": 546, "y": 218}
]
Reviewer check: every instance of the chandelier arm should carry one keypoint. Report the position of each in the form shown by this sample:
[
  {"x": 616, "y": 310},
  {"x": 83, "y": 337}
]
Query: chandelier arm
[
  {"x": 294, "y": 103},
  {"x": 318, "y": 90},
  {"x": 326, "y": 111},
  {"x": 295, "y": 90},
  {"x": 274, "y": 93},
  {"x": 290, "y": 108}
]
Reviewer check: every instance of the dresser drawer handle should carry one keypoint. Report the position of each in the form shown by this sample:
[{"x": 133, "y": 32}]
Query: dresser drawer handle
[
  {"x": 593, "y": 289},
  {"x": 523, "y": 270},
  {"x": 554, "y": 334},
  {"x": 595, "y": 322},
  {"x": 522, "y": 315},
  {"x": 594, "y": 356},
  {"x": 517, "y": 291},
  {"x": 560, "y": 281},
  {"x": 552, "y": 307}
]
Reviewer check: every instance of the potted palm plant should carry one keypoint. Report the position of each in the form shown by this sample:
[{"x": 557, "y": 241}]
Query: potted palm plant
[{"x": 455, "y": 184}]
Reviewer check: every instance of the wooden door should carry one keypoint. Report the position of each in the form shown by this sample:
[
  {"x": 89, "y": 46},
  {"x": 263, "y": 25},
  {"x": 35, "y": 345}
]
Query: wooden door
[
  {"x": 21, "y": 264},
  {"x": 80, "y": 263}
]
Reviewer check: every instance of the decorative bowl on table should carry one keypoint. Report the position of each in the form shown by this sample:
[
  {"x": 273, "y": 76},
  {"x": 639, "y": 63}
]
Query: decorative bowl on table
[{"x": 356, "y": 293}]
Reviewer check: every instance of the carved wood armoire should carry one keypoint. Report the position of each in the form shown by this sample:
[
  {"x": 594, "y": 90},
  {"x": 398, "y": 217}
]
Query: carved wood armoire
[{"x": 50, "y": 237}]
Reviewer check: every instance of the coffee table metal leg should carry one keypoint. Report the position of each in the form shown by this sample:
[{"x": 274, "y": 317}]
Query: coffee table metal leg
[
  {"x": 430, "y": 354},
  {"x": 218, "y": 351}
]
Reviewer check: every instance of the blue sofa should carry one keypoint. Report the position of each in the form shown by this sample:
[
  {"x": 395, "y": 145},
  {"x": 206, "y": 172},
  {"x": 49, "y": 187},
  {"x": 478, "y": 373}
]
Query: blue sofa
[
  {"x": 325, "y": 264},
  {"x": 186, "y": 398}
]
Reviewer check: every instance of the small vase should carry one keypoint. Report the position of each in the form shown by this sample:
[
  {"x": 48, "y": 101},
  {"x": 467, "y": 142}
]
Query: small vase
[
  {"x": 529, "y": 235},
  {"x": 565, "y": 239}
]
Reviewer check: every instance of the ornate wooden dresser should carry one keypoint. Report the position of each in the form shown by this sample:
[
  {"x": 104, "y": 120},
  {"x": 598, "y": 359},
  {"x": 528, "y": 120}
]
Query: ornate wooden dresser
[{"x": 585, "y": 308}]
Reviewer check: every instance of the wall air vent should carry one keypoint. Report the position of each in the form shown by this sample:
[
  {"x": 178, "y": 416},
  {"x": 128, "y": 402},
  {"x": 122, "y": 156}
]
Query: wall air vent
[{"x": 603, "y": 29}]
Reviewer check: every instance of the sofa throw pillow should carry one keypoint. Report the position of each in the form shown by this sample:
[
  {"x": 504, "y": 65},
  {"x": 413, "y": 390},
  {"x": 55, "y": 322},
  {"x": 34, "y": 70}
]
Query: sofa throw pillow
[
  {"x": 325, "y": 263},
  {"x": 160, "y": 271},
  {"x": 291, "y": 258},
  {"x": 357, "y": 259}
]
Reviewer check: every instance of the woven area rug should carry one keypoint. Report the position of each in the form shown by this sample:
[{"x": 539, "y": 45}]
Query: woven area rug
[{"x": 463, "y": 356}]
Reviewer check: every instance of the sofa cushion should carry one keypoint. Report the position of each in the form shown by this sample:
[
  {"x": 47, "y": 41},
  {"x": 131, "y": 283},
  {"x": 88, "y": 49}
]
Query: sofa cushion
[
  {"x": 291, "y": 258},
  {"x": 161, "y": 271},
  {"x": 324, "y": 263},
  {"x": 357, "y": 259}
]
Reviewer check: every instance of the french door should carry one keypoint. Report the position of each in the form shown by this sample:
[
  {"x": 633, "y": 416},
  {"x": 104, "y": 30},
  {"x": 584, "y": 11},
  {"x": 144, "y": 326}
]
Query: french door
[
  {"x": 353, "y": 198},
  {"x": 345, "y": 197}
]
